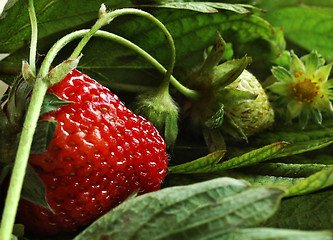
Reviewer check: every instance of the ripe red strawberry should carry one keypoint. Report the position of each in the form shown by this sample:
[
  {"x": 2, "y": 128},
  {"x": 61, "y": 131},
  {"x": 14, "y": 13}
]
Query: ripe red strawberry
[{"x": 101, "y": 153}]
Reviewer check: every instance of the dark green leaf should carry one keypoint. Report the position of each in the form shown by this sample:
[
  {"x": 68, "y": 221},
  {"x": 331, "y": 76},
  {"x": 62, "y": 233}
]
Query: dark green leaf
[
  {"x": 294, "y": 169},
  {"x": 306, "y": 212},
  {"x": 191, "y": 212},
  {"x": 314, "y": 136},
  {"x": 33, "y": 189},
  {"x": 52, "y": 18},
  {"x": 43, "y": 136},
  {"x": 308, "y": 27},
  {"x": 193, "y": 27},
  {"x": 214, "y": 139},
  {"x": 52, "y": 102},
  {"x": 5, "y": 171}
]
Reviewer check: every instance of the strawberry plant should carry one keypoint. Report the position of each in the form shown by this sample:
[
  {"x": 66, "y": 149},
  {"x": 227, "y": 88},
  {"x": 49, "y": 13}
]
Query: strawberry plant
[{"x": 166, "y": 120}]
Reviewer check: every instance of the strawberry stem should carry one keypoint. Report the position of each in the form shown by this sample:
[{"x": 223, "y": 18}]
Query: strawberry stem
[
  {"x": 21, "y": 161},
  {"x": 106, "y": 18},
  {"x": 192, "y": 94},
  {"x": 34, "y": 31}
]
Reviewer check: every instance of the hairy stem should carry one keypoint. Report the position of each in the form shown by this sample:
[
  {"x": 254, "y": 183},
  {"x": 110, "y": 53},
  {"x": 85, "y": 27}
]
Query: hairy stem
[
  {"x": 107, "y": 17},
  {"x": 181, "y": 88},
  {"x": 34, "y": 31}
]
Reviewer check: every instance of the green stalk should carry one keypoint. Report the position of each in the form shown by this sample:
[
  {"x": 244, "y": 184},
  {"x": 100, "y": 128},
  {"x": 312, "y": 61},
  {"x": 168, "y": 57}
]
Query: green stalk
[
  {"x": 34, "y": 31},
  {"x": 29, "y": 126},
  {"x": 107, "y": 17},
  {"x": 189, "y": 93}
]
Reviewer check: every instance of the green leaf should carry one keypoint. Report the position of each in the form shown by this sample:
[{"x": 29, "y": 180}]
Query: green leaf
[
  {"x": 214, "y": 139},
  {"x": 294, "y": 169},
  {"x": 282, "y": 74},
  {"x": 301, "y": 147},
  {"x": 210, "y": 160},
  {"x": 307, "y": 27},
  {"x": 205, "y": 7},
  {"x": 307, "y": 212},
  {"x": 229, "y": 71},
  {"x": 215, "y": 55},
  {"x": 52, "y": 102},
  {"x": 52, "y": 18},
  {"x": 43, "y": 136},
  {"x": 315, "y": 182},
  {"x": 33, "y": 189},
  {"x": 191, "y": 212},
  {"x": 232, "y": 96},
  {"x": 216, "y": 120},
  {"x": 258, "y": 180},
  {"x": 276, "y": 234},
  {"x": 311, "y": 134},
  {"x": 185, "y": 26},
  {"x": 247, "y": 159}
]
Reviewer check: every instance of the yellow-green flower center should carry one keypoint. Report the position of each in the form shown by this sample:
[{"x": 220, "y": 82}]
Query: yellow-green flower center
[{"x": 305, "y": 89}]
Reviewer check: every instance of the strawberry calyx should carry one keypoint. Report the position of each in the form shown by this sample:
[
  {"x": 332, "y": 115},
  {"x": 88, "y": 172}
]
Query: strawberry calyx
[{"x": 160, "y": 109}]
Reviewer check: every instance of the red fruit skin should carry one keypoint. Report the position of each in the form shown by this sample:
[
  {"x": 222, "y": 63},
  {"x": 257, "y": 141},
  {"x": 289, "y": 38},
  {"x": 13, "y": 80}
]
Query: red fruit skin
[{"x": 100, "y": 154}]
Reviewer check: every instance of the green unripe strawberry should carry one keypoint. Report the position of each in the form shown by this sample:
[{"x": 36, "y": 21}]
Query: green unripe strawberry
[
  {"x": 250, "y": 116},
  {"x": 232, "y": 101}
]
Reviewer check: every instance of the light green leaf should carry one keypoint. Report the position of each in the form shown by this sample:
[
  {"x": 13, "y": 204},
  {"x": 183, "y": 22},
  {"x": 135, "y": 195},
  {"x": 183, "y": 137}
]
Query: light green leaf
[
  {"x": 282, "y": 74},
  {"x": 315, "y": 182},
  {"x": 276, "y": 234},
  {"x": 279, "y": 88},
  {"x": 216, "y": 120},
  {"x": 247, "y": 159},
  {"x": 301, "y": 147},
  {"x": 191, "y": 212},
  {"x": 205, "y": 7},
  {"x": 232, "y": 96},
  {"x": 229, "y": 71},
  {"x": 210, "y": 160}
]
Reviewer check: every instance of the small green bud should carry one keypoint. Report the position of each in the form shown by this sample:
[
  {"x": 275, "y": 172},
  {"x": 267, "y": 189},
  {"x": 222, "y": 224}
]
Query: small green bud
[
  {"x": 60, "y": 71},
  {"x": 161, "y": 110},
  {"x": 27, "y": 73}
]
